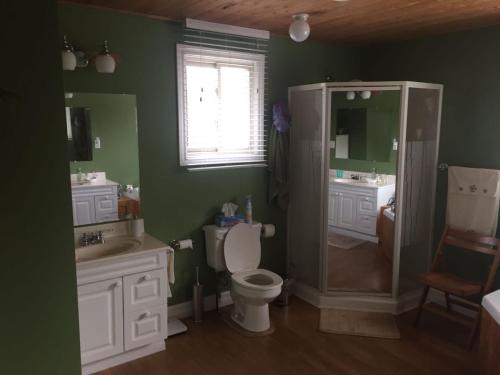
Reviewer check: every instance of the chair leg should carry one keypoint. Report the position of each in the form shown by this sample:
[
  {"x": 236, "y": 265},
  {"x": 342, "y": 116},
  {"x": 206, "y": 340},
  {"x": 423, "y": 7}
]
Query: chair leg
[
  {"x": 422, "y": 302},
  {"x": 474, "y": 330},
  {"x": 448, "y": 304}
]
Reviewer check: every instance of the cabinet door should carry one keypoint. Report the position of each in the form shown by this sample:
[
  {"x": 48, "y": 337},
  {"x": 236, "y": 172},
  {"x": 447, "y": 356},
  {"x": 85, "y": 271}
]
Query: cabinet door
[
  {"x": 100, "y": 310},
  {"x": 347, "y": 211},
  {"x": 83, "y": 210},
  {"x": 333, "y": 203}
]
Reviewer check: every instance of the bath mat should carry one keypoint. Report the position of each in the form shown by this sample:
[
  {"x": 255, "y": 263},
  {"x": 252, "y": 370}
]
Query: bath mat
[
  {"x": 343, "y": 242},
  {"x": 226, "y": 317},
  {"x": 358, "y": 323}
]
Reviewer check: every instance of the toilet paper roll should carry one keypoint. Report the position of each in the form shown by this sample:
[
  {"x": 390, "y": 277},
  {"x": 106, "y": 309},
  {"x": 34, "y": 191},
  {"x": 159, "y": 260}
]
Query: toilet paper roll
[
  {"x": 268, "y": 230},
  {"x": 185, "y": 244}
]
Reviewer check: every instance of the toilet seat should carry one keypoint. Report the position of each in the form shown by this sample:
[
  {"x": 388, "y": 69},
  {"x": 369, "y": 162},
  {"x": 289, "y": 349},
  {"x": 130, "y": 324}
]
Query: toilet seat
[{"x": 259, "y": 279}]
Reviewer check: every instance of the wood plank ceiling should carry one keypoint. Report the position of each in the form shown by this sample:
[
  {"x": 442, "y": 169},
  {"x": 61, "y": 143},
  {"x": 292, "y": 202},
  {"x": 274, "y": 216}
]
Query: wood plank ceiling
[{"x": 358, "y": 21}]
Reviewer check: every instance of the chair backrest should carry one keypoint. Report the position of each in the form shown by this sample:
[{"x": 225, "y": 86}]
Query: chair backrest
[{"x": 473, "y": 242}]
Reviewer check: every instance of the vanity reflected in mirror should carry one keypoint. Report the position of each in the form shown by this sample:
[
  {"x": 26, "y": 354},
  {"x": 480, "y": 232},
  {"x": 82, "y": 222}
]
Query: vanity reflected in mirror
[{"x": 104, "y": 157}]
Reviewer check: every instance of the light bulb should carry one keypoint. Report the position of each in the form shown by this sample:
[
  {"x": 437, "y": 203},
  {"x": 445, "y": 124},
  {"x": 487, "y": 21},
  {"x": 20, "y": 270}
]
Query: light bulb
[
  {"x": 299, "y": 29},
  {"x": 365, "y": 94},
  {"x": 350, "y": 95}
]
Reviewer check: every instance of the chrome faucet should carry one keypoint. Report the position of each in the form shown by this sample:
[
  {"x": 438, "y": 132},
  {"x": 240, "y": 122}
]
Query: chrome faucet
[{"x": 91, "y": 239}]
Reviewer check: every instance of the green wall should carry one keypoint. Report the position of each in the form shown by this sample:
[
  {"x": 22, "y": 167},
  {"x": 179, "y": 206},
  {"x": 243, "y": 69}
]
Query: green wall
[
  {"x": 38, "y": 314},
  {"x": 467, "y": 63},
  {"x": 177, "y": 203},
  {"x": 382, "y": 127},
  {"x": 113, "y": 119}
]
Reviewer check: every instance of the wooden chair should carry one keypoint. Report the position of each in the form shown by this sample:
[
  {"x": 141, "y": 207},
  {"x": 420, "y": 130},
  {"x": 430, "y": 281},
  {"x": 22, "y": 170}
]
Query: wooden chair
[{"x": 452, "y": 285}]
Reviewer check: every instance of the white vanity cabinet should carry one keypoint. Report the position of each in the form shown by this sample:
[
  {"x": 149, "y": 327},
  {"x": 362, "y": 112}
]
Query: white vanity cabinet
[
  {"x": 353, "y": 208},
  {"x": 122, "y": 307},
  {"x": 94, "y": 204}
]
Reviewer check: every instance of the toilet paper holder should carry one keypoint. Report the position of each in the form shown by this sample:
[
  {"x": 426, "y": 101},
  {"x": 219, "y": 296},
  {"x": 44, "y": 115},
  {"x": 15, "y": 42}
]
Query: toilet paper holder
[{"x": 181, "y": 244}]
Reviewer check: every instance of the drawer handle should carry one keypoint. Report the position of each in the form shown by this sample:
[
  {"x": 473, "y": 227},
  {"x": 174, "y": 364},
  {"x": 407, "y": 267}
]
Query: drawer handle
[
  {"x": 116, "y": 285},
  {"x": 146, "y": 277},
  {"x": 145, "y": 315},
  {"x": 366, "y": 199}
]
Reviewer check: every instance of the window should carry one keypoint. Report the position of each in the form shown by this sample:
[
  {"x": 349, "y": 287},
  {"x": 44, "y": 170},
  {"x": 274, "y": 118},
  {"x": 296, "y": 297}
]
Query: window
[{"x": 220, "y": 106}]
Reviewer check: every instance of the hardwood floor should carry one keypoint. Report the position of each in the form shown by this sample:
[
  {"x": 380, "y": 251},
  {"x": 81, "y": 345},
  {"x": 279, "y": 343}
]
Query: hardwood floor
[
  {"x": 297, "y": 347},
  {"x": 359, "y": 269}
]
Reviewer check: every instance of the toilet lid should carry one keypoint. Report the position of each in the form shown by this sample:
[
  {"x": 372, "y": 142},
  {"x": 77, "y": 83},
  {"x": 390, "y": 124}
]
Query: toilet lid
[{"x": 242, "y": 248}]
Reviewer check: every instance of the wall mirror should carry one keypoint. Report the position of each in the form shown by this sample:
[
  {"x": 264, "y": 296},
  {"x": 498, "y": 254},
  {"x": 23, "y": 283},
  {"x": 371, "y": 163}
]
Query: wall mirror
[
  {"x": 104, "y": 157},
  {"x": 365, "y": 124}
]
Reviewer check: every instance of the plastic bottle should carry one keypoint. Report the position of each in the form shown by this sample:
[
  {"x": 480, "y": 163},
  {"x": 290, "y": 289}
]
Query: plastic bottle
[{"x": 248, "y": 209}]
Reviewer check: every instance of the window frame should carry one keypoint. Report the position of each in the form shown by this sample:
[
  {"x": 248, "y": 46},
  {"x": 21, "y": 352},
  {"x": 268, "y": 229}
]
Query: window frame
[{"x": 223, "y": 57}]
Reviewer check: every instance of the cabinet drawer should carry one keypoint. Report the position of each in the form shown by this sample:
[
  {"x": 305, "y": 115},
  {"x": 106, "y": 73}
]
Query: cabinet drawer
[
  {"x": 106, "y": 204},
  {"x": 145, "y": 289},
  {"x": 367, "y": 224},
  {"x": 367, "y": 205},
  {"x": 145, "y": 326}
]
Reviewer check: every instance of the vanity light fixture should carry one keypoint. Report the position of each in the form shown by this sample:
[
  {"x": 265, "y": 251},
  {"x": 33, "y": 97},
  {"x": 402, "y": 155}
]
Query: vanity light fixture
[
  {"x": 68, "y": 56},
  {"x": 351, "y": 95},
  {"x": 104, "y": 61},
  {"x": 299, "y": 29}
]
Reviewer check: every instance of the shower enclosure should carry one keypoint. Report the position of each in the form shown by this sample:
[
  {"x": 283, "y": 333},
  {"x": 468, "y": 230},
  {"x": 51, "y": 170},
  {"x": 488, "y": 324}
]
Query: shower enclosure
[{"x": 415, "y": 146}]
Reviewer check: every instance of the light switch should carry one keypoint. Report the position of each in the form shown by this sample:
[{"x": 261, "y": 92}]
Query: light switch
[
  {"x": 332, "y": 144},
  {"x": 97, "y": 142}
]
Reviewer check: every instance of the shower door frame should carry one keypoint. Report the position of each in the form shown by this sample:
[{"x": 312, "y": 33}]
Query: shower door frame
[{"x": 404, "y": 88}]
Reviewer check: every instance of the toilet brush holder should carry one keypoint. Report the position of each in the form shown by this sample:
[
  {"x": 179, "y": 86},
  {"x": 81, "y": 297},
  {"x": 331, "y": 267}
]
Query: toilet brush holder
[{"x": 198, "y": 299}]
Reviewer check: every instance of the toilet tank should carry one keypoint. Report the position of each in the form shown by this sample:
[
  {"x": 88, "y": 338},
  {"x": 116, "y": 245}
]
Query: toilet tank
[{"x": 214, "y": 242}]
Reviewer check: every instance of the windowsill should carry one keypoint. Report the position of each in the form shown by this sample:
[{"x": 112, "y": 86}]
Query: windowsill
[{"x": 216, "y": 167}]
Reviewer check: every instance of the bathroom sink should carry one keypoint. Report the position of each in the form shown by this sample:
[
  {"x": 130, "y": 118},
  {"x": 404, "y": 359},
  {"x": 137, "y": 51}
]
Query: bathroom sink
[{"x": 112, "y": 246}]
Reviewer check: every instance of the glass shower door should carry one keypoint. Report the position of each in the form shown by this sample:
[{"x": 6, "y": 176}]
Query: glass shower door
[
  {"x": 419, "y": 182},
  {"x": 306, "y": 176}
]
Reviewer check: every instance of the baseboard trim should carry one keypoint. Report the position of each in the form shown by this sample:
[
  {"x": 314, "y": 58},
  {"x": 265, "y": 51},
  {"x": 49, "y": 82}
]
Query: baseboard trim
[
  {"x": 122, "y": 358},
  {"x": 439, "y": 298},
  {"x": 185, "y": 309}
]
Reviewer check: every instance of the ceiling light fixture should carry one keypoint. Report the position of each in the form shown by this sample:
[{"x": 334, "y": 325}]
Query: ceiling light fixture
[{"x": 299, "y": 29}]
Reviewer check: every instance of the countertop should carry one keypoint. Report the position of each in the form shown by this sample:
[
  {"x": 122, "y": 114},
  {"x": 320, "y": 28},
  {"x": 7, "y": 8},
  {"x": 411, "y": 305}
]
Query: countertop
[
  {"x": 148, "y": 244},
  {"x": 351, "y": 182},
  {"x": 491, "y": 303},
  {"x": 86, "y": 185}
]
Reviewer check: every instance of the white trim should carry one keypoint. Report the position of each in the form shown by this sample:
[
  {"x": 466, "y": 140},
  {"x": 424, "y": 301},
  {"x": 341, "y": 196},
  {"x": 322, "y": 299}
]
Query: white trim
[
  {"x": 438, "y": 297},
  {"x": 185, "y": 309},
  {"x": 123, "y": 357},
  {"x": 226, "y": 29},
  {"x": 385, "y": 304},
  {"x": 400, "y": 173}
]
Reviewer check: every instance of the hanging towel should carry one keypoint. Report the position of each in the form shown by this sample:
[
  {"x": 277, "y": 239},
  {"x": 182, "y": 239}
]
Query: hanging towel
[
  {"x": 473, "y": 199},
  {"x": 170, "y": 271},
  {"x": 278, "y": 156}
]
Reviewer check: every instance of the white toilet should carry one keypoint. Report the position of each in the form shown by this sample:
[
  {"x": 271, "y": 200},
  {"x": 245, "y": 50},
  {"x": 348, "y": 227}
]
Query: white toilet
[{"x": 237, "y": 250}]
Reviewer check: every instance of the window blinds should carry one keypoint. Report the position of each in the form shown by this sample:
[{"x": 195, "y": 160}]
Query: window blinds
[{"x": 222, "y": 91}]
